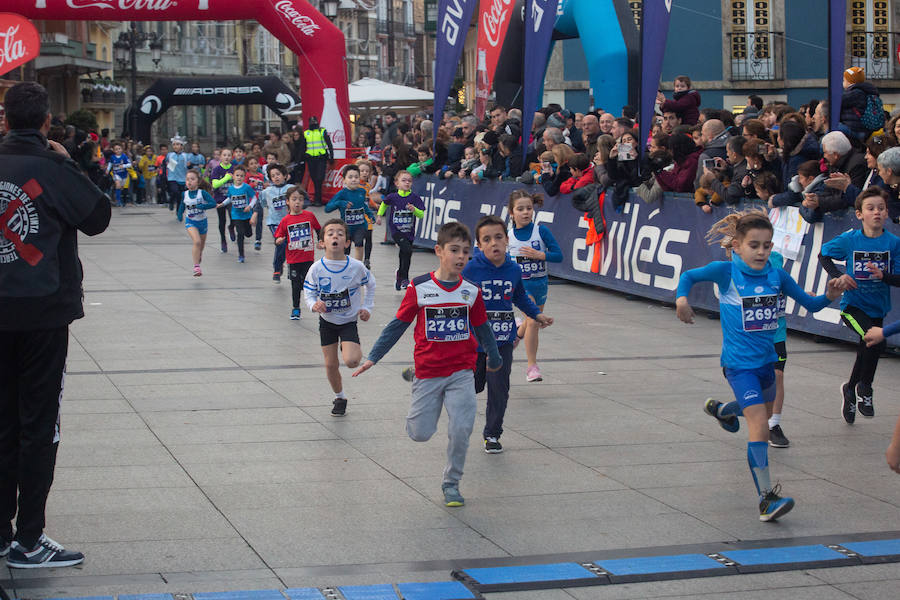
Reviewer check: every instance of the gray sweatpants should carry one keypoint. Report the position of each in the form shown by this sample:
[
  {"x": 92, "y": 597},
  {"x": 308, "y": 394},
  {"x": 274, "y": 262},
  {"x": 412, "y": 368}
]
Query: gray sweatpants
[{"x": 456, "y": 392}]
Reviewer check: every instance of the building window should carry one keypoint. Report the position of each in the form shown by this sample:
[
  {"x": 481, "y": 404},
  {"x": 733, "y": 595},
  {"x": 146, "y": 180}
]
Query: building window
[
  {"x": 752, "y": 42},
  {"x": 869, "y": 42},
  {"x": 635, "y": 6}
]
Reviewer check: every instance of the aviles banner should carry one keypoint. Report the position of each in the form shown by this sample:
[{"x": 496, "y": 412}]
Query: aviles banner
[
  {"x": 654, "y": 30},
  {"x": 540, "y": 17},
  {"x": 454, "y": 17}
]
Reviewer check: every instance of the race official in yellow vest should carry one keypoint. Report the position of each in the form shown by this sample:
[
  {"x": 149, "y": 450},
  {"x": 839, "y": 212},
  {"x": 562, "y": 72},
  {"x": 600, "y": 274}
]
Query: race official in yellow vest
[{"x": 319, "y": 153}]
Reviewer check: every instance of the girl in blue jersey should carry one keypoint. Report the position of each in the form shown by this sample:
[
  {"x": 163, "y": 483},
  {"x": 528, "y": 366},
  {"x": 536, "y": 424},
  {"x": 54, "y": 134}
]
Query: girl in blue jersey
[
  {"x": 532, "y": 247},
  {"x": 196, "y": 202},
  {"x": 748, "y": 302},
  {"x": 872, "y": 256}
]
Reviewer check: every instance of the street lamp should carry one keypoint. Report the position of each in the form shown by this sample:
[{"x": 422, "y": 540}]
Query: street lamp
[
  {"x": 124, "y": 52},
  {"x": 330, "y": 9}
]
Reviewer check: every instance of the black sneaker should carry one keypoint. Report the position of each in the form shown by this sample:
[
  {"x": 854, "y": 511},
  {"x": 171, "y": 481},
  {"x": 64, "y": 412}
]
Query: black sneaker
[
  {"x": 772, "y": 506},
  {"x": 367, "y": 264},
  {"x": 848, "y": 403},
  {"x": 340, "y": 407},
  {"x": 492, "y": 445},
  {"x": 46, "y": 553},
  {"x": 864, "y": 402},
  {"x": 777, "y": 438},
  {"x": 276, "y": 277},
  {"x": 408, "y": 374},
  {"x": 257, "y": 246},
  {"x": 231, "y": 233}
]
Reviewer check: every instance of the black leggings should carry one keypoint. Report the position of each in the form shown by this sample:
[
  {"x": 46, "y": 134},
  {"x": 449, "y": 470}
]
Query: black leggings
[
  {"x": 406, "y": 251},
  {"x": 223, "y": 215},
  {"x": 866, "y": 357},
  {"x": 242, "y": 229},
  {"x": 368, "y": 244},
  {"x": 297, "y": 274}
]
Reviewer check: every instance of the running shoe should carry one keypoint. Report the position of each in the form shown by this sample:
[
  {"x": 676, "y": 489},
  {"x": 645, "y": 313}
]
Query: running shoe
[
  {"x": 848, "y": 403},
  {"x": 224, "y": 247},
  {"x": 409, "y": 373},
  {"x": 231, "y": 233},
  {"x": 492, "y": 445},
  {"x": 4, "y": 547},
  {"x": 404, "y": 284},
  {"x": 777, "y": 438},
  {"x": 197, "y": 271},
  {"x": 865, "y": 404},
  {"x": 730, "y": 423},
  {"x": 533, "y": 373},
  {"x": 295, "y": 314},
  {"x": 367, "y": 263},
  {"x": 339, "y": 408},
  {"x": 276, "y": 277},
  {"x": 257, "y": 246},
  {"x": 772, "y": 506},
  {"x": 46, "y": 553},
  {"x": 240, "y": 259},
  {"x": 452, "y": 497}
]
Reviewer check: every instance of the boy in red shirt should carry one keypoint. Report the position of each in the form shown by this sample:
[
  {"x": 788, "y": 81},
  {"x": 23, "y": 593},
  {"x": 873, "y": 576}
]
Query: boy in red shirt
[
  {"x": 296, "y": 228},
  {"x": 447, "y": 309}
]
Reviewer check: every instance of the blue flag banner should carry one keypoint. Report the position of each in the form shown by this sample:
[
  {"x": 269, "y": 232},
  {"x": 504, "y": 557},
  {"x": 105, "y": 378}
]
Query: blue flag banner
[
  {"x": 453, "y": 17},
  {"x": 654, "y": 30},
  {"x": 646, "y": 247},
  {"x": 837, "y": 40},
  {"x": 540, "y": 18}
]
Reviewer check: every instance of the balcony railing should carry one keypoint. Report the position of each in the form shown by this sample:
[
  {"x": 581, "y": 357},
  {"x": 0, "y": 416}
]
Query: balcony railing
[
  {"x": 756, "y": 56},
  {"x": 873, "y": 51},
  {"x": 385, "y": 27}
]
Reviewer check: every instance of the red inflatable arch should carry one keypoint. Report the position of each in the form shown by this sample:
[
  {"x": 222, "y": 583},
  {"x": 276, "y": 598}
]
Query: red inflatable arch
[{"x": 318, "y": 44}]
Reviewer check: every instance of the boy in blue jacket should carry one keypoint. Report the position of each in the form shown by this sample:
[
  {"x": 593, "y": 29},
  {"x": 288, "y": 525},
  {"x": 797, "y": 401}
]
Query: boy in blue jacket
[
  {"x": 500, "y": 280},
  {"x": 353, "y": 203}
]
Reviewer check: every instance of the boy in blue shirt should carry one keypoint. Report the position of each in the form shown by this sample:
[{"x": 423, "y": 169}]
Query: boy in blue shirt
[
  {"x": 749, "y": 290},
  {"x": 873, "y": 263},
  {"x": 351, "y": 200},
  {"x": 500, "y": 280},
  {"x": 242, "y": 198},
  {"x": 118, "y": 167}
]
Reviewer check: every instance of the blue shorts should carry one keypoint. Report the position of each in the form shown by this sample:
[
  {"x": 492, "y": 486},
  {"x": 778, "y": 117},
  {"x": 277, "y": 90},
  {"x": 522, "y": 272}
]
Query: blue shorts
[
  {"x": 537, "y": 289},
  {"x": 752, "y": 386},
  {"x": 201, "y": 226}
]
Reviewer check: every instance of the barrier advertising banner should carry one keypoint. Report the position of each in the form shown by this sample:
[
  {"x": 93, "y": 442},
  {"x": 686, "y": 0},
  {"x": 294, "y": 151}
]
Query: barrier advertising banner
[{"x": 647, "y": 246}]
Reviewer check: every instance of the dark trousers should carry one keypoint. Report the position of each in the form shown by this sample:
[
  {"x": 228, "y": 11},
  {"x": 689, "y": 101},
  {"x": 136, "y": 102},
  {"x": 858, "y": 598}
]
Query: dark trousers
[
  {"x": 406, "y": 252},
  {"x": 298, "y": 173},
  {"x": 241, "y": 230},
  {"x": 317, "y": 168},
  {"x": 280, "y": 249},
  {"x": 297, "y": 274},
  {"x": 162, "y": 190},
  {"x": 258, "y": 209},
  {"x": 223, "y": 215},
  {"x": 866, "y": 358},
  {"x": 498, "y": 389},
  {"x": 176, "y": 196},
  {"x": 367, "y": 248},
  {"x": 32, "y": 364}
]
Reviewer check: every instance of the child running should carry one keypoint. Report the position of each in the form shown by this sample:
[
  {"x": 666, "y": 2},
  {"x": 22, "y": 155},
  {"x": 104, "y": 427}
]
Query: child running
[
  {"x": 257, "y": 181},
  {"x": 242, "y": 198},
  {"x": 275, "y": 197},
  {"x": 196, "y": 202},
  {"x": 500, "y": 280},
  {"x": 296, "y": 229},
  {"x": 118, "y": 166},
  {"x": 351, "y": 201},
  {"x": 406, "y": 206},
  {"x": 873, "y": 263},
  {"x": 532, "y": 246},
  {"x": 220, "y": 177},
  {"x": 446, "y": 309},
  {"x": 723, "y": 233},
  {"x": 333, "y": 288},
  {"x": 748, "y": 302}
]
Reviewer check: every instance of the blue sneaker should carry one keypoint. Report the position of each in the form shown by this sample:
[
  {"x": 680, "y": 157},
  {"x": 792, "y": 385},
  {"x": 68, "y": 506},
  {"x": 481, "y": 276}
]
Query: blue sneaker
[
  {"x": 295, "y": 314},
  {"x": 240, "y": 259},
  {"x": 46, "y": 553},
  {"x": 452, "y": 497},
  {"x": 730, "y": 423},
  {"x": 772, "y": 506}
]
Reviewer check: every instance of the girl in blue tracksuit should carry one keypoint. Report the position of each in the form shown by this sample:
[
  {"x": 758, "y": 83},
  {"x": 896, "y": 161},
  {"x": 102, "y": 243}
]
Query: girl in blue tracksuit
[
  {"x": 196, "y": 202},
  {"x": 749, "y": 290},
  {"x": 500, "y": 280},
  {"x": 532, "y": 247}
]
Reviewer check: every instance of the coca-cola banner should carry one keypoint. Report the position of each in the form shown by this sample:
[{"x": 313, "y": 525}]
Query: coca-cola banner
[
  {"x": 654, "y": 30},
  {"x": 19, "y": 42},
  {"x": 453, "y": 21},
  {"x": 318, "y": 44},
  {"x": 540, "y": 17},
  {"x": 493, "y": 19},
  {"x": 333, "y": 181}
]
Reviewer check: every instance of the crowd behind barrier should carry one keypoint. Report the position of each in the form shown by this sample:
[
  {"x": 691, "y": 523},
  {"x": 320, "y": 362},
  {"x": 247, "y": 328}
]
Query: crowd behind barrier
[{"x": 646, "y": 246}]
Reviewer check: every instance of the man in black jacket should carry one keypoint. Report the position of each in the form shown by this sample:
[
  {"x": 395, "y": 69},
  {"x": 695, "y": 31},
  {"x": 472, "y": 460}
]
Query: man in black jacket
[{"x": 44, "y": 201}]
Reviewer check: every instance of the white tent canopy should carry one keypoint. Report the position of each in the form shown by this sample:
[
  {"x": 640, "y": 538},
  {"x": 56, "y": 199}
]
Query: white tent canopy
[{"x": 373, "y": 94}]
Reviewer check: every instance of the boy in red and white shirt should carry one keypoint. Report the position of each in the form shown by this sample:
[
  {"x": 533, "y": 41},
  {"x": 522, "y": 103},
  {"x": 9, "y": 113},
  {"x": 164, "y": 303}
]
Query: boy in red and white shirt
[
  {"x": 447, "y": 309},
  {"x": 296, "y": 228}
]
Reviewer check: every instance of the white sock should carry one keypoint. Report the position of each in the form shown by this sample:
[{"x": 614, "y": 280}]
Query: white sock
[
  {"x": 340, "y": 395},
  {"x": 774, "y": 420}
]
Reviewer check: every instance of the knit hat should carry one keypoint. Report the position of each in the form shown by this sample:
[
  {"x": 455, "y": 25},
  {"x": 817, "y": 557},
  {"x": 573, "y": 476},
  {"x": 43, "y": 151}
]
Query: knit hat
[{"x": 854, "y": 75}]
